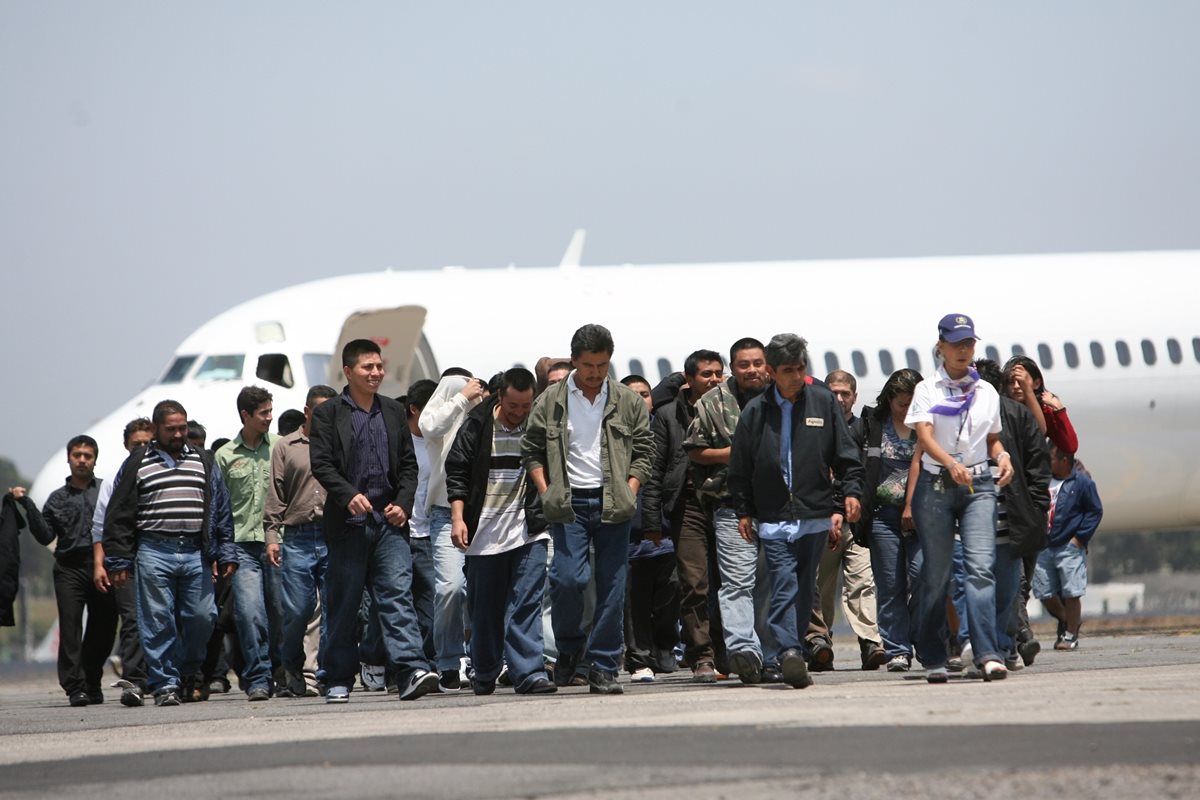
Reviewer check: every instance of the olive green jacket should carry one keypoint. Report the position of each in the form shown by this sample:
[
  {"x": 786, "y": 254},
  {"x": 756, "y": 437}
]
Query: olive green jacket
[{"x": 626, "y": 450}]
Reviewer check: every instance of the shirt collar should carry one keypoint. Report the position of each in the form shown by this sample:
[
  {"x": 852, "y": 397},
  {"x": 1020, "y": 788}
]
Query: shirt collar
[
  {"x": 350, "y": 401},
  {"x": 238, "y": 441},
  {"x": 91, "y": 483},
  {"x": 574, "y": 388}
]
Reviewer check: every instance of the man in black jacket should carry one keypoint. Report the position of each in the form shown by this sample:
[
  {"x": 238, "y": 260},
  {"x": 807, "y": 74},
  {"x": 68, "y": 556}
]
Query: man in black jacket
[
  {"x": 791, "y": 443},
  {"x": 671, "y": 491},
  {"x": 497, "y": 520},
  {"x": 362, "y": 453}
]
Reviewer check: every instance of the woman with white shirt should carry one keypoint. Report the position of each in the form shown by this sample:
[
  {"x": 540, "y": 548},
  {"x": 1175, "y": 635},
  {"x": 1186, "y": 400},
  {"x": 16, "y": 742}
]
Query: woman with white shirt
[{"x": 957, "y": 419}]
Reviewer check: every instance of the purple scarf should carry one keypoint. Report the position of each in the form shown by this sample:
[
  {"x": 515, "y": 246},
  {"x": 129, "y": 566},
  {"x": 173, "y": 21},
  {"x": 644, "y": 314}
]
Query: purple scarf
[{"x": 958, "y": 404}]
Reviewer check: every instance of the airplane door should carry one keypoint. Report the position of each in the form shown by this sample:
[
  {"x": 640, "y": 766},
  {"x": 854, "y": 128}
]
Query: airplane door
[{"x": 397, "y": 331}]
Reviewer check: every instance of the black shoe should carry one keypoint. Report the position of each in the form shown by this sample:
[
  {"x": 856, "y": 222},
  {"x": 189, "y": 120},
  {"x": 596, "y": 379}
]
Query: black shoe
[
  {"x": 95, "y": 697},
  {"x": 258, "y": 694},
  {"x": 539, "y": 685},
  {"x": 603, "y": 683},
  {"x": 771, "y": 674},
  {"x": 794, "y": 669},
  {"x": 449, "y": 682},
  {"x": 564, "y": 670},
  {"x": 873, "y": 657},
  {"x": 821, "y": 658},
  {"x": 747, "y": 665},
  {"x": 132, "y": 697},
  {"x": 78, "y": 699},
  {"x": 482, "y": 688},
  {"x": 1029, "y": 650},
  {"x": 218, "y": 686}
]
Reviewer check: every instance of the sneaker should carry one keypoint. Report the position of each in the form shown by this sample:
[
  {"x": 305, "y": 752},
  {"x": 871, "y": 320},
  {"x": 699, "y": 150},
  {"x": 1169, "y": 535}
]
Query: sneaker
[
  {"x": 1069, "y": 641},
  {"x": 132, "y": 697},
  {"x": 1014, "y": 664},
  {"x": 78, "y": 699},
  {"x": 937, "y": 675},
  {"x": 643, "y": 675},
  {"x": 450, "y": 681},
  {"x": 504, "y": 679},
  {"x": 258, "y": 694},
  {"x": 1028, "y": 651},
  {"x": 747, "y": 665},
  {"x": 994, "y": 671},
  {"x": 167, "y": 697},
  {"x": 820, "y": 655},
  {"x": 704, "y": 672},
  {"x": 900, "y": 663},
  {"x": 420, "y": 683},
  {"x": 540, "y": 685},
  {"x": 968, "y": 655},
  {"x": 606, "y": 682},
  {"x": 374, "y": 679},
  {"x": 337, "y": 694},
  {"x": 794, "y": 669}
]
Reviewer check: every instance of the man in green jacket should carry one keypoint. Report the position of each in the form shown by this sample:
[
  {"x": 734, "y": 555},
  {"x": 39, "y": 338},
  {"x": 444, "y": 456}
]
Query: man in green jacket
[{"x": 588, "y": 450}]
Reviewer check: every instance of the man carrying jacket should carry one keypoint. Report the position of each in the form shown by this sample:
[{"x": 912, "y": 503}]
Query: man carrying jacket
[
  {"x": 791, "y": 443},
  {"x": 496, "y": 519},
  {"x": 588, "y": 449}
]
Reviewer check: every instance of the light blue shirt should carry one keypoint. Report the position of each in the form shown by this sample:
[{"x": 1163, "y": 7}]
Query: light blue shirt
[{"x": 791, "y": 529}]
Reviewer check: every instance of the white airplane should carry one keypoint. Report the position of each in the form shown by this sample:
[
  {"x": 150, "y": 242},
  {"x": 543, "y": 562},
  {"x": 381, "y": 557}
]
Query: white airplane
[{"x": 1114, "y": 333}]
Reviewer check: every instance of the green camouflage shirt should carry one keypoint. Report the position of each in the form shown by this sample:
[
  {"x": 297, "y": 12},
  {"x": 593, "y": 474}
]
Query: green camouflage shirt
[{"x": 716, "y": 419}]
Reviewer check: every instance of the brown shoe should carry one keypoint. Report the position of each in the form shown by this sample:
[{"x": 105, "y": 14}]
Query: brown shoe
[
  {"x": 873, "y": 657},
  {"x": 704, "y": 672}
]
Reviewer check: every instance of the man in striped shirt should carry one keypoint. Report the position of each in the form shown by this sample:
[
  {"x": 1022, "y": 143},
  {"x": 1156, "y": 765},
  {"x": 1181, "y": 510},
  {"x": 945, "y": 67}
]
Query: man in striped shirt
[
  {"x": 169, "y": 513},
  {"x": 496, "y": 519}
]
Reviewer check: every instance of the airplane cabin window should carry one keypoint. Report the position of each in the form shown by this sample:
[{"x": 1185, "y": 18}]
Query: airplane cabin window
[
  {"x": 1071, "y": 352},
  {"x": 316, "y": 368},
  {"x": 992, "y": 352},
  {"x": 1148, "y": 352},
  {"x": 178, "y": 369},
  {"x": 1123, "y": 357},
  {"x": 1097, "y": 354},
  {"x": 860, "y": 363},
  {"x": 1196, "y": 347},
  {"x": 886, "y": 365},
  {"x": 664, "y": 368},
  {"x": 1017, "y": 350},
  {"x": 221, "y": 368},
  {"x": 913, "y": 358},
  {"x": 1045, "y": 357},
  {"x": 275, "y": 368},
  {"x": 636, "y": 368},
  {"x": 831, "y": 362},
  {"x": 1174, "y": 351}
]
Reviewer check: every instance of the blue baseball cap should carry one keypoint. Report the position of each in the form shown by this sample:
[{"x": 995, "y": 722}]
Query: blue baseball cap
[{"x": 956, "y": 327}]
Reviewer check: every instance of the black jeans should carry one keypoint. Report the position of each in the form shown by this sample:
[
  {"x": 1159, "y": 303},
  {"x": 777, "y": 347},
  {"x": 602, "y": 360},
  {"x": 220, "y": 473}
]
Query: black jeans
[
  {"x": 129, "y": 648},
  {"x": 651, "y": 614},
  {"x": 81, "y": 654}
]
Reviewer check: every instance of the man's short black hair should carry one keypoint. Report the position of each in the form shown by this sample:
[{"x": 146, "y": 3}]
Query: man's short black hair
[
  {"x": 629, "y": 380},
  {"x": 290, "y": 421},
  {"x": 251, "y": 398},
  {"x": 463, "y": 371},
  {"x": 591, "y": 338},
  {"x": 166, "y": 408},
  {"x": 83, "y": 440},
  {"x": 518, "y": 379},
  {"x": 196, "y": 430},
  {"x": 691, "y": 364},
  {"x": 417, "y": 395},
  {"x": 217, "y": 445},
  {"x": 990, "y": 371},
  {"x": 560, "y": 365},
  {"x": 746, "y": 343},
  {"x": 356, "y": 349},
  {"x": 319, "y": 392},
  {"x": 139, "y": 424}
]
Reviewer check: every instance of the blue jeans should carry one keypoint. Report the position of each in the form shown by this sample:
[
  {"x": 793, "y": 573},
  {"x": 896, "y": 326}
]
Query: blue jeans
[
  {"x": 176, "y": 609},
  {"x": 257, "y": 610},
  {"x": 374, "y": 557},
  {"x": 569, "y": 575},
  {"x": 1008, "y": 571},
  {"x": 423, "y": 590},
  {"x": 450, "y": 592},
  {"x": 504, "y": 593},
  {"x": 896, "y": 562},
  {"x": 737, "y": 561},
  {"x": 1060, "y": 571},
  {"x": 792, "y": 570},
  {"x": 936, "y": 513},
  {"x": 305, "y": 563}
]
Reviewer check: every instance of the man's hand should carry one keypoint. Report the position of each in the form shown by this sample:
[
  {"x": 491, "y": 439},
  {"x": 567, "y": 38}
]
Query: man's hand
[
  {"x": 853, "y": 509},
  {"x": 746, "y": 529},
  {"x": 906, "y": 519},
  {"x": 835, "y": 530},
  {"x": 275, "y": 554},
  {"x": 119, "y": 578},
  {"x": 228, "y": 570},
  {"x": 100, "y": 577},
  {"x": 458, "y": 534},
  {"x": 395, "y": 515},
  {"x": 359, "y": 504},
  {"x": 474, "y": 389},
  {"x": 17, "y": 492},
  {"x": 634, "y": 486}
]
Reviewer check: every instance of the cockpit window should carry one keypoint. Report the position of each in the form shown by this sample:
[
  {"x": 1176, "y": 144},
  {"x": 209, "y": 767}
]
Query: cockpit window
[
  {"x": 221, "y": 368},
  {"x": 316, "y": 368},
  {"x": 275, "y": 368},
  {"x": 178, "y": 369}
]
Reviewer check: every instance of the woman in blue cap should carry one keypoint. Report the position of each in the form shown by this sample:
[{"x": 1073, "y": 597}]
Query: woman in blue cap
[{"x": 957, "y": 419}]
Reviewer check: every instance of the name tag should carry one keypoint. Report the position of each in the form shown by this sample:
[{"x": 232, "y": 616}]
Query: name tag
[{"x": 814, "y": 422}]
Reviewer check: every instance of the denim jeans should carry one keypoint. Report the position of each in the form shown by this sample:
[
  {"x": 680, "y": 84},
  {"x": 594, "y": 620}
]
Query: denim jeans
[
  {"x": 569, "y": 574},
  {"x": 737, "y": 561},
  {"x": 936, "y": 513},
  {"x": 505, "y": 597},
  {"x": 374, "y": 557},
  {"x": 305, "y": 563},
  {"x": 450, "y": 592},
  {"x": 896, "y": 562},
  {"x": 1008, "y": 590},
  {"x": 792, "y": 570},
  {"x": 423, "y": 591},
  {"x": 257, "y": 609},
  {"x": 176, "y": 609}
]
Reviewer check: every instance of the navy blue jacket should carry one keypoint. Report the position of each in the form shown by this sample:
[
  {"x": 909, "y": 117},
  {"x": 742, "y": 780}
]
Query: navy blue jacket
[{"x": 1077, "y": 510}]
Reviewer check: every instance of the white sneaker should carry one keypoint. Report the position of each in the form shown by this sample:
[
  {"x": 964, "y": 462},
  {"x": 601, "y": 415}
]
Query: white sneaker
[
  {"x": 994, "y": 671},
  {"x": 900, "y": 663},
  {"x": 374, "y": 679},
  {"x": 643, "y": 675},
  {"x": 420, "y": 683}
]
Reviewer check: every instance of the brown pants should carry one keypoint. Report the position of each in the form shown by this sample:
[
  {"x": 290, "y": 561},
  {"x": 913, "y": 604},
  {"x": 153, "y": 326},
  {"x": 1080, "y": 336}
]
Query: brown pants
[{"x": 695, "y": 559}]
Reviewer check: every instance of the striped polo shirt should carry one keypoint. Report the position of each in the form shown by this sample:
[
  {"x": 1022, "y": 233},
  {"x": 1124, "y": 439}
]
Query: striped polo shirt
[
  {"x": 502, "y": 524},
  {"x": 171, "y": 493}
]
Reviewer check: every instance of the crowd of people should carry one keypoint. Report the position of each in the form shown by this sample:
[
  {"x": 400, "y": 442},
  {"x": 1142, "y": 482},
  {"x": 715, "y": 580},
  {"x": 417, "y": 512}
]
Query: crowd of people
[{"x": 559, "y": 527}]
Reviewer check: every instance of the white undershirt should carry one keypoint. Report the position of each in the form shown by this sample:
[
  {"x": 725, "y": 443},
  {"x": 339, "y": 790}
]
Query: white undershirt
[
  {"x": 584, "y": 421},
  {"x": 419, "y": 524}
]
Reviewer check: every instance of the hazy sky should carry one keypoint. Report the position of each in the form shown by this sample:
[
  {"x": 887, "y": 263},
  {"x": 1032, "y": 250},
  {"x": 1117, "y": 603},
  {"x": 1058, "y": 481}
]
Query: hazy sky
[{"x": 163, "y": 161}]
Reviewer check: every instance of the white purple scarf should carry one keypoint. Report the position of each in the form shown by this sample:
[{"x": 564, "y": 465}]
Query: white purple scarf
[{"x": 955, "y": 405}]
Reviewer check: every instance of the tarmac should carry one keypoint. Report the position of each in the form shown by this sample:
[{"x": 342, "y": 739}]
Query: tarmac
[{"x": 1118, "y": 718}]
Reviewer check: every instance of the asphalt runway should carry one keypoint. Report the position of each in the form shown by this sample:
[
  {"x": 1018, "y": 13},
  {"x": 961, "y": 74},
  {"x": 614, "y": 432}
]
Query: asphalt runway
[{"x": 1118, "y": 718}]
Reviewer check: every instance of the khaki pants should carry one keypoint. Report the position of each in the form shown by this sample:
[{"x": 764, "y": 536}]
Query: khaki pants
[{"x": 853, "y": 562}]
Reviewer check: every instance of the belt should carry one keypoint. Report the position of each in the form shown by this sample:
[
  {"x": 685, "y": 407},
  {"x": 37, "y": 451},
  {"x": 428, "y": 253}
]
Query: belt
[
  {"x": 976, "y": 470},
  {"x": 175, "y": 538},
  {"x": 589, "y": 493}
]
